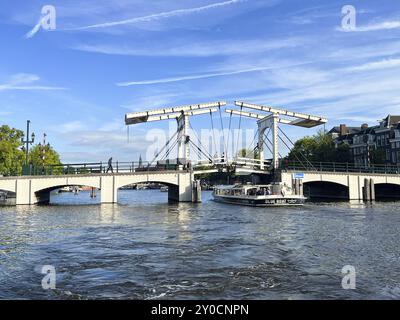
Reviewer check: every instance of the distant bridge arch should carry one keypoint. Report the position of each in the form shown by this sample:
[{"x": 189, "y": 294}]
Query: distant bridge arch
[
  {"x": 338, "y": 180},
  {"x": 162, "y": 179},
  {"x": 387, "y": 191}
]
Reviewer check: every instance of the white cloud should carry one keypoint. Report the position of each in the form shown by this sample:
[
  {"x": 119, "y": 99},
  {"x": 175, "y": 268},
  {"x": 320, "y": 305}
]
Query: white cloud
[
  {"x": 377, "y": 65},
  {"x": 194, "y": 49},
  {"x": 365, "y": 51},
  {"x": 385, "y": 25},
  {"x": 23, "y": 81}
]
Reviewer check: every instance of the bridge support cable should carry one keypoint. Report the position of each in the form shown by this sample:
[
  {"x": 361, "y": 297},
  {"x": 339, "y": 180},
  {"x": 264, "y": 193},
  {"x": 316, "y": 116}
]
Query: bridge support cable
[
  {"x": 253, "y": 141},
  {"x": 163, "y": 148},
  {"x": 170, "y": 147},
  {"x": 269, "y": 148},
  {"x": 285, "y": 135},
  {"x": 289, "y": 150},
  {"x": 199, "y": 140},
  {"x": 201, "y": 151}
]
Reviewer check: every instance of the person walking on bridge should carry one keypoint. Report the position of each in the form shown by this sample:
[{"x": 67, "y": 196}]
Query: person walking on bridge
[{"x": 110, "y": 167}]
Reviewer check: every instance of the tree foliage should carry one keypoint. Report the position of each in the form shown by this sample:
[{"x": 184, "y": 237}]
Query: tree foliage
[
  {"x": 43, "y": 155},
  {"x": 11, "y": 156},
  {"x": 319, "y": 148}
]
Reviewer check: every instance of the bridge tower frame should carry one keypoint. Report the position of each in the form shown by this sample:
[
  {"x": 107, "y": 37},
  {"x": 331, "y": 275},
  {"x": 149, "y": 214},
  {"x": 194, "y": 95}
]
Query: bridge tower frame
[
  {"x": 182, "y": 115},
  {"x": 272, "y": 121}
]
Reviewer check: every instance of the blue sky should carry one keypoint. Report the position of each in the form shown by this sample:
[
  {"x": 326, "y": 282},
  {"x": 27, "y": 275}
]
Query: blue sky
[{"x": 106, "y": 58}]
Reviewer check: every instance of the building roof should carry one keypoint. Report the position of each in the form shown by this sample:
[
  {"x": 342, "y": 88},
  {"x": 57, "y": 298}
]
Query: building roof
[
  {"x": 391, "y": 120},
  {"x": 351, "y": 130}
]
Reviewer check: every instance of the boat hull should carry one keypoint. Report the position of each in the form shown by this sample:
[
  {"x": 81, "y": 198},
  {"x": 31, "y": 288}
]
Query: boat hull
[{"x": 262, "y": 202}]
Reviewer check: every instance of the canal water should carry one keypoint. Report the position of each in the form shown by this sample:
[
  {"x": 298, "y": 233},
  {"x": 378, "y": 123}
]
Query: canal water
[{"x": 144, "y": 248}]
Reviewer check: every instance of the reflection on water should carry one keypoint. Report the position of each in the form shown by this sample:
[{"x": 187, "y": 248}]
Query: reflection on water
[{"x": 145, "y": 248}]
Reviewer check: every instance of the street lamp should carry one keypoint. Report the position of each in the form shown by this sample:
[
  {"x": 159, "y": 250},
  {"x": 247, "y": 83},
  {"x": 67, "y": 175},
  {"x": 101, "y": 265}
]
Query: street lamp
[{"x": 27, "y": 142}]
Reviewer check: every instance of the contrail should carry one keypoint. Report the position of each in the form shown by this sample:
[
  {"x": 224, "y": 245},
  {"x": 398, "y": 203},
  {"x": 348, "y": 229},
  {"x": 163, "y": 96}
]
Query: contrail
[
  {"x": 202, "y": 76},
  {"x": 35, "y": 29},
  {"x": 160, "y": 15}
]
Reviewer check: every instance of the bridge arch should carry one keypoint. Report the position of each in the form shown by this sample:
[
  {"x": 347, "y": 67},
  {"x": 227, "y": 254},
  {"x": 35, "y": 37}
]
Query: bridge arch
[
  {"x": 387, "y": 191},
  {"x": 159, "y": 181},
  {"x": 166, "y": 179},
  {"x": 179, "y": 185},
  {"x": 44, "y": 195},
  {"x": 55, "y": 187},
  {"x": 318, "y": 189},
  {"x": 2, "y": 189},
  {"x": 41, "y": 189},
  {"x": 335, "y": 179},
  {"x": 7, "y": 185}
]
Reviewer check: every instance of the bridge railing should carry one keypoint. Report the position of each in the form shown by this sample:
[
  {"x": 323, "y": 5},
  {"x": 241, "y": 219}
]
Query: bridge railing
[
  {"x": 340, "y": 167},
  {"x": 98, "y": 168}
]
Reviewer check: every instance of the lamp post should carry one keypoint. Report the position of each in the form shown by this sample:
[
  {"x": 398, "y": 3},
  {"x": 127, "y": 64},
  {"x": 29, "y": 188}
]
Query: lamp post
[{"x": 27, "y": 142}]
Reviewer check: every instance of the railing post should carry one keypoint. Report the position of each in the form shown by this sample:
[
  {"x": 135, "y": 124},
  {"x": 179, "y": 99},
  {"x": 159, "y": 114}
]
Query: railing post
[
  {"x": 101, "y": 166},
  {"x": 117, "y": 167},
  {"x": 334, "y": 166}
]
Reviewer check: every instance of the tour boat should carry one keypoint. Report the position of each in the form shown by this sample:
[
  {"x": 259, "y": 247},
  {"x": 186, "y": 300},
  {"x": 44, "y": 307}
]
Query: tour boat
[{"x": 270, "y": 195}]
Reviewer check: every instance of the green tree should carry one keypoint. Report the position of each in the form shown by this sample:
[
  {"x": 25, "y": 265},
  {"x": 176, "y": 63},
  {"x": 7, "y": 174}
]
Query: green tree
[
  {"x": 43, "y": 155},
  {"x": 303, "y": 148},
  {"x": 325, "y": 147},
  {"x": 319, "y": 148},
  {"x": 11, "y": 156},
  {"x": 343, "y": 153}
]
